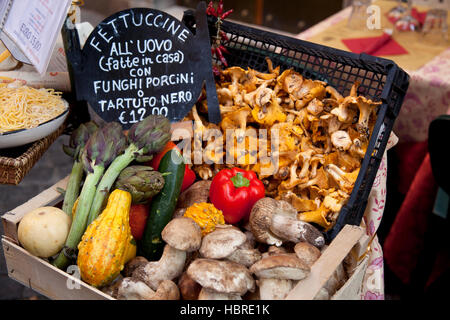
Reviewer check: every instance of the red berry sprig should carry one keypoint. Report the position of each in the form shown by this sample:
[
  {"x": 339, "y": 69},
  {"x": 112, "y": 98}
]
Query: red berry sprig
[{"x": 217, "y": 49}]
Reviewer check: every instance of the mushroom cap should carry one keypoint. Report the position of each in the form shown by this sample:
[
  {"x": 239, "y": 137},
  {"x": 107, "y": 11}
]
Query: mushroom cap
[
  {"x": 261, "y": 219},
  {"x": 222, "y": 242},
  {"x": 281, "y": 266},
  {"x": 341, "y": 140},
  {"x": 183, "y": 234},
  {"x": 246, "y": 257},
  {"x": 307, "y": 253},
  {"x": 221, "y": 276}
]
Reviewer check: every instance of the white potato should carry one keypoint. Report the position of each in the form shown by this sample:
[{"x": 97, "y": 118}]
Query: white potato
[{"x": 43, "y": 231}]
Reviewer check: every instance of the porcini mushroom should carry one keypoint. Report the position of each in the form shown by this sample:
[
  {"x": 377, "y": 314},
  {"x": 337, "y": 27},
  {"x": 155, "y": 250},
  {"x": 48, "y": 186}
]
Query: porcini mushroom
[
  {"x": 307, "y": 253},
  {"x": 261, "y": 218},
  {"x": 288, "y": 227},
  {"x": 276, "y": 274},
  {"x": 132, "y": 289},
  {"x": 208, "y": 294},
  {"x": 182, "y": 235},
  {"x": 221, "y": 276},
  {"x": 221, "y": 242},
  {"x": 189, "y": 289}
]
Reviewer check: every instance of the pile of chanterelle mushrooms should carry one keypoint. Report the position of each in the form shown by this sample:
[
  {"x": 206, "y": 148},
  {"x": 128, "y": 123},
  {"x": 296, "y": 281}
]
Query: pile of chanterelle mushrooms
[{"x": 323, "y": 137}]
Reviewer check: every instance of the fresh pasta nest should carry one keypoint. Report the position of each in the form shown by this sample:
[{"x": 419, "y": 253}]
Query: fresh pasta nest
[{"x": 24, "y": 107}]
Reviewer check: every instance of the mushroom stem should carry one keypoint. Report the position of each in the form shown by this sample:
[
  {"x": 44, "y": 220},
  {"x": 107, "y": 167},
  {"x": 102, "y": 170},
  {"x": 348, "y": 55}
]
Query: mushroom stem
[
  {"x": 274, "y": 289},
  {"x": 289, "y": 228},
  {"x": 208, "y": 294},
  {"x": 132, "y": 289},
  {"x": 168, "y": 267}
]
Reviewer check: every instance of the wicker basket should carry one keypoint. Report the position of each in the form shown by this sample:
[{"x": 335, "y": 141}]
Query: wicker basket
[{"x": 16, "y": 162}]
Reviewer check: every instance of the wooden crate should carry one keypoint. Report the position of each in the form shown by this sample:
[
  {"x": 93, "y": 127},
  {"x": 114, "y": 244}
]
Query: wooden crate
[{"x": 41, "y": 276}]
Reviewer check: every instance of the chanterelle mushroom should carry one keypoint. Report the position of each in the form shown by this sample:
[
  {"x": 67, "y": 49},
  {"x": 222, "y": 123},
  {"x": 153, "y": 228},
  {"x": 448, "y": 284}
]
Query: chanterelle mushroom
[
  {"x": 346, "y": 180},
  {"x": 366, "y": 107},
  {"x": 221, "y": 276},
  {"x": 341, "y": 140}
]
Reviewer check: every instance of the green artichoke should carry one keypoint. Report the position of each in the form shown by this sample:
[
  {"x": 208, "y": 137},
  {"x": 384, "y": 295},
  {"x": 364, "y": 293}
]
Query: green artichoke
[
  {"x": 145, "y": 139},
  {"x": 141, "y": 181},
  {"x": 150, "y": 136},
  {"x": 103, "y": 147},
  {"x": 77, "y": 141}
]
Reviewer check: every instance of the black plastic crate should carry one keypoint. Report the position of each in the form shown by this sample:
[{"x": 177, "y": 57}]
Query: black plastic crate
[{"x": 380, "y": 79}]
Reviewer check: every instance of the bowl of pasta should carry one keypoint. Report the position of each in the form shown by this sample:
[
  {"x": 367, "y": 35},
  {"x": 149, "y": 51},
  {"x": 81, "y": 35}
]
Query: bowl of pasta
[{"x": 28, "y": 114}]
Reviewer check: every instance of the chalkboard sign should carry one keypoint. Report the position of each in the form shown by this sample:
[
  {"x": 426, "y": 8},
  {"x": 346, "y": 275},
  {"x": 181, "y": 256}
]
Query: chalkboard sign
[{"x": 144, "y": 61}]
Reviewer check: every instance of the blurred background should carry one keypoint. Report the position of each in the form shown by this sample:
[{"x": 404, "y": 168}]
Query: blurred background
[{"x": 284, "y": 15}]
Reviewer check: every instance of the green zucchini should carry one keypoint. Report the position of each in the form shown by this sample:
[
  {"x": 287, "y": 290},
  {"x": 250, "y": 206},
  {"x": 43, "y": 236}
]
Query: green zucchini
[{"x": 163, "y": 205}]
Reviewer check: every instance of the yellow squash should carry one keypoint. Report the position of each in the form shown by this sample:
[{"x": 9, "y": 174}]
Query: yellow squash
[
  {"x": 107, "y": 243},
  {"x": 206, "y": 215}
]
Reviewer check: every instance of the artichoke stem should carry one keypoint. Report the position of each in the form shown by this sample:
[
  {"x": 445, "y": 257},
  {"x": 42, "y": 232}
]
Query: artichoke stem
[
  {"x": 73, "y": 187},
  {"x": 108, "y": 179},
  {"x": 79, "y": 223}
]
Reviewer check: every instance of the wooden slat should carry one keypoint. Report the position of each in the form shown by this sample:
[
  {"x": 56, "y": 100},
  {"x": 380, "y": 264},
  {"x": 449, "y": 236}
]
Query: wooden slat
[
  {"x": 324, "y": 267},
  {"x": 352, "y": 288},
  {"x": 48, "y": 197},
  {"x": 44, "y": 278}
]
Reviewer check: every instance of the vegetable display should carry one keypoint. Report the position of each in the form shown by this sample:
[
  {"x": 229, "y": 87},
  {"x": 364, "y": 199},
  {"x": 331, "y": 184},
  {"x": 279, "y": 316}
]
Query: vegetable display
[
  {"x": 215, "y": 230},
  {"x": 234, "y": 191}
]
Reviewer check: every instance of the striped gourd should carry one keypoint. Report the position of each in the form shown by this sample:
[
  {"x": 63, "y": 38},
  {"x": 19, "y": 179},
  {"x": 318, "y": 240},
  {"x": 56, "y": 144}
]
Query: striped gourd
[{"x": 107, "y": 243}]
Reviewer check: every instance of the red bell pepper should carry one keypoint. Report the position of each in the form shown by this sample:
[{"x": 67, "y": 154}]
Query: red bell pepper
[
  {"x": 189, "y": 174},
  {"x": 234, "y": 192}
]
